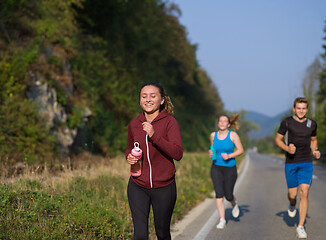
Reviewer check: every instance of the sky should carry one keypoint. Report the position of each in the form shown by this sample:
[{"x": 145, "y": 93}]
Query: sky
[{"x": 256, "y": 51}]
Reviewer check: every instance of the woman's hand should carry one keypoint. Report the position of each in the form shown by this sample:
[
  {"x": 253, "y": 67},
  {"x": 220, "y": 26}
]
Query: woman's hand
[
  {"x": 210, "y": 153},
  {"x": 131, "y": 159},
  {"x": 147, "y": 127},
  {"x": 225, "y": 156},
  {"x": 316, "y": 154}
]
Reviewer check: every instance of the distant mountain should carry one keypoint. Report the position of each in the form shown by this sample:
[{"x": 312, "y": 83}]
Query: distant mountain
[{"x": 265, "y": 123}]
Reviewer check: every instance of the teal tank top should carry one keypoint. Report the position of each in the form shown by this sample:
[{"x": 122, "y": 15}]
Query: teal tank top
[{"x": 223, "y": 146}]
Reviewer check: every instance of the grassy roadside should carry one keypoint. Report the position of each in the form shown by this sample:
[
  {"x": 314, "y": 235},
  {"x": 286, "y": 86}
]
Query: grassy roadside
[{"x": 90, "y": 202}]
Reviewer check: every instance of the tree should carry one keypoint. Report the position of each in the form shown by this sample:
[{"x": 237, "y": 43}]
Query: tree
[
  {"x": 321, "y": 101},
  {"x": 311, "y": 85}
]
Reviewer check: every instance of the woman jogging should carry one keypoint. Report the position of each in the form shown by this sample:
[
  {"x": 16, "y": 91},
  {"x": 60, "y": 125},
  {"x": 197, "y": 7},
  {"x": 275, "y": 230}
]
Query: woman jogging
[
  {"x": 224, "y": 170},
  {"x": 158, "y": 135}
]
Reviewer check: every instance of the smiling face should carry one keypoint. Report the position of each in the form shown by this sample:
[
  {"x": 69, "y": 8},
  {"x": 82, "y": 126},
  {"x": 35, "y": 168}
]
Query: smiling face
[
  {"x": 300, "y": 110},
  {"x": 223, "y": 123},
  {"x": 151, "y": 99}
]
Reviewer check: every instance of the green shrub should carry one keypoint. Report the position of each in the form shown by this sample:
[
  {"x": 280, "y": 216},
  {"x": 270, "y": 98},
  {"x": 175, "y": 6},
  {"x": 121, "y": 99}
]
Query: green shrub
[
  {"x": 94, "y": 208},
  {"x": 24, "y": 138}
]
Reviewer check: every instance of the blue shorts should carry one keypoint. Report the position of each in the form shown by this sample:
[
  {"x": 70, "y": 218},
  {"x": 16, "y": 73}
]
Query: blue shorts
[{"x": 298, "y": 173}]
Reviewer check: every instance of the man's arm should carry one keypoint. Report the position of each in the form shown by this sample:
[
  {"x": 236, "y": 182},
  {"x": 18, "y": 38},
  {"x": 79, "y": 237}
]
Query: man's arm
[
  {"x": 314, "y": 147},
  {"x": 279, "y": 142}
]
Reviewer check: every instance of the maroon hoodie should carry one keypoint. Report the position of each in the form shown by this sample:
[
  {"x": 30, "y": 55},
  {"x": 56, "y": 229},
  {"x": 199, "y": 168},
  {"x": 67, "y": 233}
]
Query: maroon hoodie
[{"x": 158, "y": 168}]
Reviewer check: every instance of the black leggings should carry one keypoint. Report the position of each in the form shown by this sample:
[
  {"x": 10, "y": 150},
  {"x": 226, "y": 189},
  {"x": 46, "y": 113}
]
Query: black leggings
[
  {"x": 162, "y": 201},
  {"x": 224, "y": 179}
]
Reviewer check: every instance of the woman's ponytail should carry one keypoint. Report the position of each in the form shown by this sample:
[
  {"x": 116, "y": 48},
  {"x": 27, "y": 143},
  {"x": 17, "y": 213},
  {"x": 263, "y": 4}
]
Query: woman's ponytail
[
  {"x": 234, "y": 121},
  {"x": 168, "y": 106}
]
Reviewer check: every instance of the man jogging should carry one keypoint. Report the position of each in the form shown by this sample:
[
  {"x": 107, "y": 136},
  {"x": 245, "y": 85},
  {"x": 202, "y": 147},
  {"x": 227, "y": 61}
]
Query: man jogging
[{"x": 300, "y": 145}]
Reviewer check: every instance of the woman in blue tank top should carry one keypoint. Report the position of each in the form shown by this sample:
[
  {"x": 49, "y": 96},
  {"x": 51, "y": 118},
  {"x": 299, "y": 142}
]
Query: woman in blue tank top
[{"x": 225, "y": 147}]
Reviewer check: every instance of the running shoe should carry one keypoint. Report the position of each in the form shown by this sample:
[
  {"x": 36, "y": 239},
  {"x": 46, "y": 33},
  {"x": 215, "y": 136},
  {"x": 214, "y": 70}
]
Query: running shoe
[
  {"x": 292, "y": 211},
  {"x": 301, "y": 233},
  {"x": 236, "y": 210},
  {"x": 221, "y": 224}
]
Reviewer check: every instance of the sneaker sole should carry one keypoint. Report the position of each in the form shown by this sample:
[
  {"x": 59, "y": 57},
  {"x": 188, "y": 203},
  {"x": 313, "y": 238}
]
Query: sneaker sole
[
  {"x": 292, "y": 214},
  {"x": 236, "y": 214},
  {"x": 301, "y": 237},
  {"x": 220, "y": 227}
]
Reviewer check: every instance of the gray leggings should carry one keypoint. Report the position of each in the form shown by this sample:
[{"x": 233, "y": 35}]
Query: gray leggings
[{"x": 224, "y": 179}]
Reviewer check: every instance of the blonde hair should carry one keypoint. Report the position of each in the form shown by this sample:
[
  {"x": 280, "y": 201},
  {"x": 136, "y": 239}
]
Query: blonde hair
[
  {"x": 233, "y": 120},
  {"x": 167, "y": 105}
]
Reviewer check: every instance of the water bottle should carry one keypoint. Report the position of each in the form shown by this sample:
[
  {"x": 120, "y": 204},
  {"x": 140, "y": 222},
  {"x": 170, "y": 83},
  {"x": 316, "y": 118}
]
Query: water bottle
[
  {"x": 135, "y": 169},
  {"x": 213, "y": 157}
]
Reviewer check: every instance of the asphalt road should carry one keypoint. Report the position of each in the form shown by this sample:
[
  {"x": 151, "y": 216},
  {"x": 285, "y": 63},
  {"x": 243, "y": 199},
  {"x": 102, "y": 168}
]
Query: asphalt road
[{"x": 262, "y": 196}]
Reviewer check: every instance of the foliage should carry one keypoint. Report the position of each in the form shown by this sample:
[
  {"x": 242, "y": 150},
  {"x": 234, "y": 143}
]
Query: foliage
[
  {"x": 24, "y": 138},
  {"x": 90, "y": 207},
  {"x": 193, "y": 181},
  {"x": 311, "y": 84},
  {"x": 22, "y": 131},
  {"x": 77, "y": 211},
  {"x": 97, "y": 54},
  {"x": 321, "y": 103},
  {"x": 245, "y": 128},
  {"x": 266, "y": 145},
  {"x": 141, "y": 42},
  {"x": 30, "y": 33}
]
